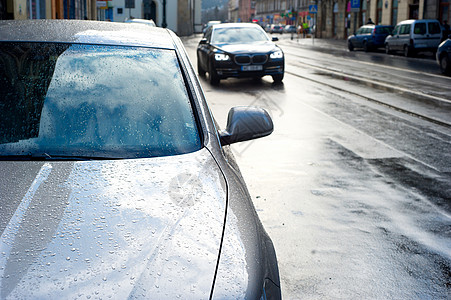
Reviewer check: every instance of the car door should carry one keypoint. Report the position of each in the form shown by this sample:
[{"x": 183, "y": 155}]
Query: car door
[
  {"x": 380, "y": 34},
  {"x": 435, "y": 34},
  {"x": 204, "y": 48},
  {"x": 403, "y": 36},
  {"x": 420, "y": 35},
  {"x": 358, "y": 37},
  {"x": 367, "y": 36},
  {"x": 393, "y": 38}
]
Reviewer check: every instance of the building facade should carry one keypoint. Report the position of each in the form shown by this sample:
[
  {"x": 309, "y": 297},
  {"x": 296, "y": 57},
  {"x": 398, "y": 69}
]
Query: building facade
[
  {"x": 181, "y": 16},
  {"x": 48, "y": 9},
  {"x": 234, "y": 8},
  {"x": 246, "y": 10},
  {"x": 340, "y": 18}
]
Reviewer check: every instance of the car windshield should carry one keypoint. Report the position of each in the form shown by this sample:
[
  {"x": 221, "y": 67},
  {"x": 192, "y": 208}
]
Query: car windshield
[
  {"x": 90, "y": 101},
  {"x": 238, "y": 35}
]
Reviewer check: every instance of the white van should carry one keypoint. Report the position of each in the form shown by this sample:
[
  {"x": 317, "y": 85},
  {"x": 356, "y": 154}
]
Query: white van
[{"x": 413, "y": 36}]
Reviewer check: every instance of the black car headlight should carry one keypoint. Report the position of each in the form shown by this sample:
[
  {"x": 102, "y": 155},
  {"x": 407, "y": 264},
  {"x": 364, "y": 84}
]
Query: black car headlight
[
  {"x": 276, "y": 54},
  {"x": 221, "y": 57}
]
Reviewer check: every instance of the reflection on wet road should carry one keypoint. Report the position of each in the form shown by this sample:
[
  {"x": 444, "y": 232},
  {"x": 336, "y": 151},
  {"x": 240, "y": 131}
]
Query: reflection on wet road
[{"x": 355, "y": 195}]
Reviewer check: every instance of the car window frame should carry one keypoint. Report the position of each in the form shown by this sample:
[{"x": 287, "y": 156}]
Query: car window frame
[{"x": 209, "y": 33}]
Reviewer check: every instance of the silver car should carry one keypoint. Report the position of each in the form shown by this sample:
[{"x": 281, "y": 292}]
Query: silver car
[
  {"x": 413, "y": 36},
  {"x": 141, "y": 21},
  {"x": 115, "y": 181}
]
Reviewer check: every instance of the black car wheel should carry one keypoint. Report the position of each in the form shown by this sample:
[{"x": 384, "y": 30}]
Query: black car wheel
[
  {"x": 350, "y": 46},
  {"x": 387, "y": 49},
  {"x": 408, "y": 51},
  {"x": 214, "y": 78},
  {"x": 277, "y": 78},
  {"x": 445, "y": 66},
  {"x": 200, "y": 70}
]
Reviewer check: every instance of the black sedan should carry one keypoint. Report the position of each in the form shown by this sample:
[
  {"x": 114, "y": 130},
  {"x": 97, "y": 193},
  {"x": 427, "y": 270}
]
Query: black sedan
[
  {"x": 239, "y": 50},
  {"x": 114, "y": 182},
  {"x": 443, "y": 56}
]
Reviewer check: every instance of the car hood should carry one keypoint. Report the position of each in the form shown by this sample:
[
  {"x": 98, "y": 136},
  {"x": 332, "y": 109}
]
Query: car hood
[
  {"x": 135, "y": 228},
  {"x": 247, "y": 48}
]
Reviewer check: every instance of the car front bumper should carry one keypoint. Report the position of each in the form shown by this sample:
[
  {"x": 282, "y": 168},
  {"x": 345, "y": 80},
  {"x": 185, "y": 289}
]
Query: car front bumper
[{"x": 230, "y": 69}]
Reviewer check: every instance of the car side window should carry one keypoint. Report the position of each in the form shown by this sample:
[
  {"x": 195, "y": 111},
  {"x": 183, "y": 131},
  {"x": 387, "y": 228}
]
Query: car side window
[
  {"x": 396, "y": 30},
  {"x": 405, "y": 29},
  {"x": 208, "y": 34},
  {"x": 420, "y": 28},
  {"x": 402, "y": 29},
  {"x": 383, "y": 30},
  {"x": 434, "y": 28}
]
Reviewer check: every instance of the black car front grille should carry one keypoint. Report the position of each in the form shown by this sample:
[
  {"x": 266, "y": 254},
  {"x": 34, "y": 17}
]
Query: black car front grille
[
  {"x": 246, "y": 59},
  {"x": 259, "y": 59},
  {"x": 243, "y": 59}
]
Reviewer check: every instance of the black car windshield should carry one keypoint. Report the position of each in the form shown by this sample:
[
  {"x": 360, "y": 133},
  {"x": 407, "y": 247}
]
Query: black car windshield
[
  {"x": 238, "y": 35},
  {"x": 91, "y": 101}
]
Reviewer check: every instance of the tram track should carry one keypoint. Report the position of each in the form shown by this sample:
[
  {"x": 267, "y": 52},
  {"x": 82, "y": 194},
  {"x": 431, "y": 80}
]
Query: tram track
[
  {"x": 385, "y": 104},
  {"x": 425, "y": 103}
]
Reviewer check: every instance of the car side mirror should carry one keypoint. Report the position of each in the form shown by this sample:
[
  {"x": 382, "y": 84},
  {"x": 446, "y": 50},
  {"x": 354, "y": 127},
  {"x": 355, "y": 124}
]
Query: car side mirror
[
  {"x": 246, "y": 123},
  {"x": 275, "y": 39},
  {"x": 203, "y": 41}
]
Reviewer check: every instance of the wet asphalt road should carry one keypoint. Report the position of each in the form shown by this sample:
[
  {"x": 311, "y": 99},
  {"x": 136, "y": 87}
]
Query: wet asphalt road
[{"x": 355, "y": 195}]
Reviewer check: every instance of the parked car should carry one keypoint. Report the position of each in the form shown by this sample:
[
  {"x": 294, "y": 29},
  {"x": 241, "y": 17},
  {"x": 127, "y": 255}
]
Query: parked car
[
  {"x": 239, "y": 50},
  {"x": 141, "y": 21},
  {"x": 369, "y": 37},
  {"x": 115, "y": 182},
  {"x": 267, "y": 27},
  {"x": 276, "y": 29},
  {"x": 413, "y": 36},
  {"x": 289, "y": 29},
  {"x": 209, "y": 24},
  {"x": 443, "y": 56}
]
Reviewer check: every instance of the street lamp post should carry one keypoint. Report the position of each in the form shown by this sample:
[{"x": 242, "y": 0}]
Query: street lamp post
[{"x": 164, "y": 24}]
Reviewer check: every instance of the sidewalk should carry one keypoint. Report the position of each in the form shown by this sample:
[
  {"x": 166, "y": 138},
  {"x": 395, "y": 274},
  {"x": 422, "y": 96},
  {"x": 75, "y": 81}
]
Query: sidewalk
[{"x": 315, "y": 42}]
